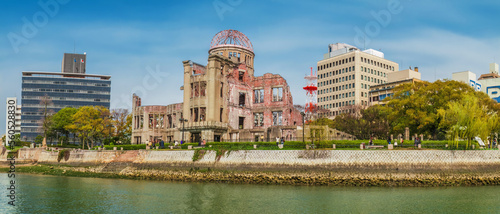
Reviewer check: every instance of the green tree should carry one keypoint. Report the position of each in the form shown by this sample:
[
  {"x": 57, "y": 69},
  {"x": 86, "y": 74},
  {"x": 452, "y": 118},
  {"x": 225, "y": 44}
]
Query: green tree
[
  {"x": 90, "y": 124},
  {"x": 468, "y": 118},
  {"x": 323, "y": 121},
  {"x": 61, "y": 120},
  {"x": 416, "y": 105},
  {"x": 38, "y": 139}
]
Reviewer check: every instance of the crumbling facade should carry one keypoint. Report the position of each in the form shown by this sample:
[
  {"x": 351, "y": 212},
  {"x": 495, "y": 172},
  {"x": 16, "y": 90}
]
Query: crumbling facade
[{"x": 223, "y": 101}]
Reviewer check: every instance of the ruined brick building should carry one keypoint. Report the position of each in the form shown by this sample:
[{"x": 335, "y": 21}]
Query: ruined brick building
[{"x": 223, "y": 101}]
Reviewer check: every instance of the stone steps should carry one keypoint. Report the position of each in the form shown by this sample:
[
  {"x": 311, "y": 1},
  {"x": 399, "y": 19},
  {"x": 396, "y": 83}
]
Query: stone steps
[
  {"x": 114, "y": 167},
  {"x": 121, "y": 162}
]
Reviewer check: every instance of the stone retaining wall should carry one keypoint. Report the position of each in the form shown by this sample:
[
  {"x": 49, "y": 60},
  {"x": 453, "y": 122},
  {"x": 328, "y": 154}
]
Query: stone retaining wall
[{"x": 284, "y": 159}]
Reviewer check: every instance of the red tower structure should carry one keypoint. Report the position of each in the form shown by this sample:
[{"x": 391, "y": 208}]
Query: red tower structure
[{"x": 311, "y": 93}]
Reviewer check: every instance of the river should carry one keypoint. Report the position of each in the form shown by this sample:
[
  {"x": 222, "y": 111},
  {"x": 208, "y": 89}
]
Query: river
[{"x": 51, "y": 194}]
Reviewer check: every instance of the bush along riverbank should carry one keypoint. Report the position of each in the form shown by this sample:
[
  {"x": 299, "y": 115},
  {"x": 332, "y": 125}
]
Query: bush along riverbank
[{"x": 274, "y": 178}]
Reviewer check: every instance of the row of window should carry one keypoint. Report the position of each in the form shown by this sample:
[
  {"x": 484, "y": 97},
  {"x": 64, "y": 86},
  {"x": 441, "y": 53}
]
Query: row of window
[
  {"x": 65, "y": 91},
  {"x": 339, "y": 104},
  {"x": 337, "y": 72},
  {"x": 378, "y": 64},
  {"x": 65, "y": 83},
  {"x": 277, "y": 95},
  {"x": 371, "y": 79},
  {"x": 259, "y": 118},
  {"x": 342, "y": 104},
  {"x": 336, "y": 88},
  {"x": 337, "y": 80},
  {"x": 375, "y": 72},
  {"x": 336, "y": 63},
  {"x": 67, "y": 98},
  {"x": 336, "y": 96}
]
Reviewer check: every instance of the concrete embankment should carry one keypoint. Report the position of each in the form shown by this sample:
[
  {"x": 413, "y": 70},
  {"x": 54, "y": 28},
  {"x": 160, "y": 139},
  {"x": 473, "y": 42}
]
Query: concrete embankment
[{"x": 303, "y": 167}]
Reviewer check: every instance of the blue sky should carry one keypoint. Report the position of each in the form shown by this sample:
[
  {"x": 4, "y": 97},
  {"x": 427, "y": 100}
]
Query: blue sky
[{"x": 129, "y": 39}]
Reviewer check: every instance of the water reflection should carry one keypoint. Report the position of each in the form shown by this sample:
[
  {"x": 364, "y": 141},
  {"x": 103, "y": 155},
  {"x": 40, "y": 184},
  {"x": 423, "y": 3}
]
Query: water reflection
[{"x": 50, "y": 194}]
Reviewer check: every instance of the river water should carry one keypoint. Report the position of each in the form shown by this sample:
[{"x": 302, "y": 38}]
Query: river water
[{"x": 51, "y": 194}]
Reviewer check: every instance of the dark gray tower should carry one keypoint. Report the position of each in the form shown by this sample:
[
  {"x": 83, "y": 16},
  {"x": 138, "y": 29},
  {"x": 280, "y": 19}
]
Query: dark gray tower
[{"x": 74, "y": 63}]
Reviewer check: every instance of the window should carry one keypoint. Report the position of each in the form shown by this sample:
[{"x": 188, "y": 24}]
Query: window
[
  {"x": 240, "y": 76},
  {"x": 221, "y": 111},
  {"x": 241, "y": 123},
  {"x": 259, "y": 96},
  {"x": 277, "y": 116},
  {"x": 258, "y": 119},
  {"x": 221, "y": 88},
  {"x": 242, "y": 99},
  {"x": 277, "y": 94}
]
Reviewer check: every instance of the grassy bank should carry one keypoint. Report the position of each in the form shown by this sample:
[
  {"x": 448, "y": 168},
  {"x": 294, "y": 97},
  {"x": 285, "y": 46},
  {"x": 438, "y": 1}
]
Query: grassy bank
[{"x": 273, "y": 178}]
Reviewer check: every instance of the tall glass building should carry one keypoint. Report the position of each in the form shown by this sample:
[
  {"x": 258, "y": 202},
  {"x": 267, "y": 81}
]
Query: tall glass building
[{"x": 66, "y": 89}]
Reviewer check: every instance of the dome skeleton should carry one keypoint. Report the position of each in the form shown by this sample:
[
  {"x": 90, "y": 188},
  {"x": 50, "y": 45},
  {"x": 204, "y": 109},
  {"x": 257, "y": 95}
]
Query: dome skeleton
[{"x": 231, "y": 38}]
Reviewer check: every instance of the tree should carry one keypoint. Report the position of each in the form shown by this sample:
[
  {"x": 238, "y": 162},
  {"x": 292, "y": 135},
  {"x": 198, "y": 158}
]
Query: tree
[
  {"x": 121, "y": 123},
  {"x": 375, "y": 122},
  {"x": 90, "y": 124},
  {"x": 39, "y": 139},
  {"x": 415, "y": 105},
  {"x": 61, "y": 120},
  {"x": 46, "y": 121},
  {"x": 468, "y": 118}
]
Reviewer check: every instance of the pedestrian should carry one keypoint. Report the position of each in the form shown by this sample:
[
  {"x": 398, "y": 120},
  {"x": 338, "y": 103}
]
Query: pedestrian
[
  {"x": 204, "y": 142},
  {"x": 388, "y": 139},
  {"x": 277, "y": 141},
  {"x": 199, "y": 142},
  {"x": 162, "y": 144},
  {"x": 415, "y": 142},
  {"x": 401, "y": 142},
  {"x": 371, "y": 141},
  {"x": 282, "y": 140}
]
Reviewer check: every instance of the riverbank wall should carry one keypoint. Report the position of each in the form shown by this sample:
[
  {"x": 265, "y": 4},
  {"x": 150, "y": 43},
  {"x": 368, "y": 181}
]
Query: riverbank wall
[
  {"x": 280, "y": 160},
  {"x": 282, "y": 167}
]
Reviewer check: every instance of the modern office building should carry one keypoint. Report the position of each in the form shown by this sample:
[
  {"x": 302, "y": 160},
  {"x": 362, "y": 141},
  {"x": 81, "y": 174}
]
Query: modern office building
[
  {"x": 488, "y": 83},
  {"x": 346, "y": 74},
  {"x": 379, "y": 92},
  {"x": 70, "y": 88}
]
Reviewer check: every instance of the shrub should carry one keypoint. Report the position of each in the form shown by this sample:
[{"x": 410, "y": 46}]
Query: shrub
[{"x": 63, "y": 154}]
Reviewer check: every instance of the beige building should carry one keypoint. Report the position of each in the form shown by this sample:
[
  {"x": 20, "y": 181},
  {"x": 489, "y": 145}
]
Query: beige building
[
  {"x": 379, "y": 92},
  {"x": 346, "y": 74}
]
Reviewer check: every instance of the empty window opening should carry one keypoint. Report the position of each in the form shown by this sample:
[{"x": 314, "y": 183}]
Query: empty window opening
[
  {"x": 242, "y": 99},
  {"x": 241, "y": 122}
]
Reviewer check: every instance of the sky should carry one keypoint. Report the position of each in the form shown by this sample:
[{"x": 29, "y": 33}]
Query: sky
[{"x": 142, "y": 44}]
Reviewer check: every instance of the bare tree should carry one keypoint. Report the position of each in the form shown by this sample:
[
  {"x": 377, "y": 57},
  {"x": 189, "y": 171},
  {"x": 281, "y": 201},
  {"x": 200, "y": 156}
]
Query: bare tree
[{"x": 47, "y": 113}]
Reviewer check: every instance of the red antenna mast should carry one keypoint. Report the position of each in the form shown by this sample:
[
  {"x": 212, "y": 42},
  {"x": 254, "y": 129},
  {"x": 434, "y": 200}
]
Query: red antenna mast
[{"x": 311, "y": 93}]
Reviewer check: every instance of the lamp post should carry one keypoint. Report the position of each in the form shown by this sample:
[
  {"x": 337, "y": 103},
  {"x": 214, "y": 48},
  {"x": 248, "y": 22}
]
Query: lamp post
[
  {"x": 303, "y": 127},
  {"x": 183, "y": 121}
]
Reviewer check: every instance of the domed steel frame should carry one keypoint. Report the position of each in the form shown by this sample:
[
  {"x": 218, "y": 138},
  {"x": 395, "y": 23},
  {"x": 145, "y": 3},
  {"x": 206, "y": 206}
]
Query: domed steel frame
[{"x": 231, "y": 38}]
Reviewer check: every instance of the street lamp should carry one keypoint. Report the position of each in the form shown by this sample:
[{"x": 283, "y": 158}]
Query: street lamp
[
  {"x": 303, "y": 126},
  {"x": 183, "y": 121}
]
